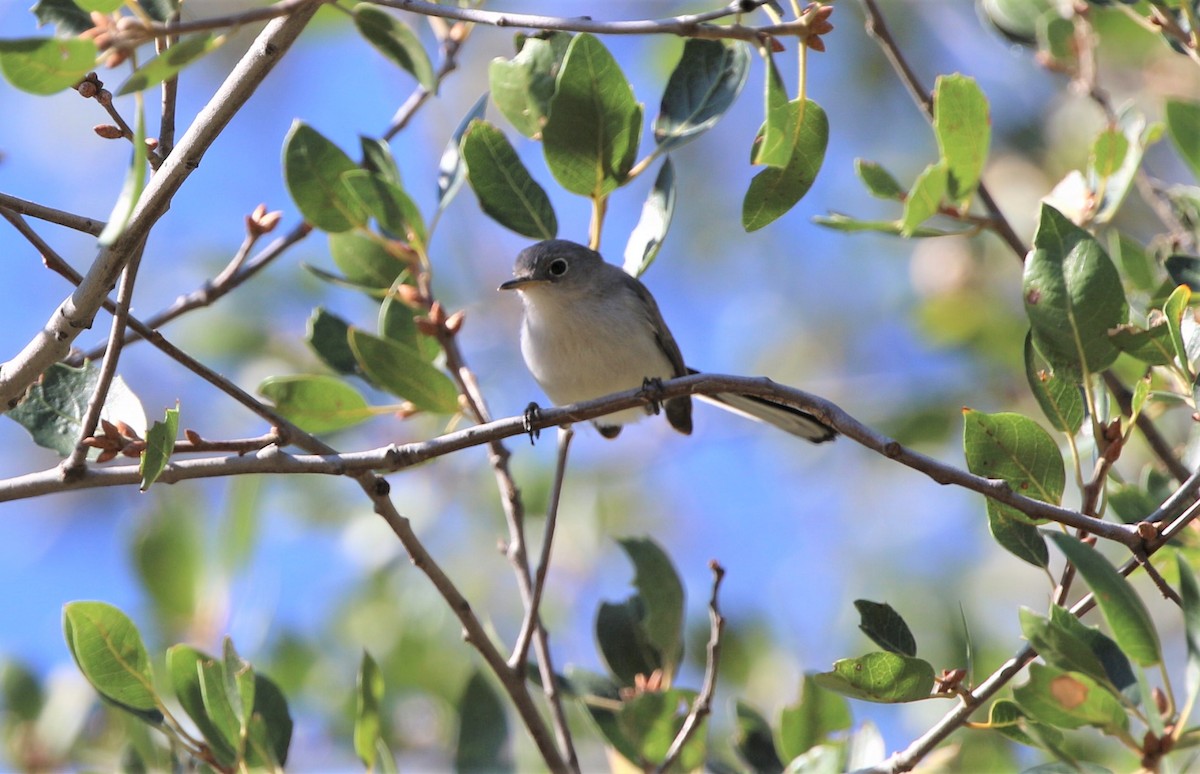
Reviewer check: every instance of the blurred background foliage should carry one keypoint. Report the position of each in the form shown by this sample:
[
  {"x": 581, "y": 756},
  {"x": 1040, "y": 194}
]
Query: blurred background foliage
[{"x": 901, "y": 333}]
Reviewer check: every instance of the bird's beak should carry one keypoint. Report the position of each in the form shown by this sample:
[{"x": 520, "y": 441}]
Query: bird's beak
[{"x": 516, "y": 282}]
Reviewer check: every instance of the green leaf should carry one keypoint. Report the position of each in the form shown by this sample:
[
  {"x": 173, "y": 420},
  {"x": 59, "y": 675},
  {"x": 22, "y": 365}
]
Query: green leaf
[
  {"x": 404, "y": 372},
  {"x": 839, "y": 222},
  {"x": 482, "y": 729},
  {"x": 64, "y": 14},
  {"x": 1007, "y": 717},
  {"x": 451, "y": 169},
  {"x": 1059, "y": 647},
  {"x": 1069, "y": 700},
  {"x": 397, "y": 323},
  {"x": 367, "y": 723},
  {"x": 1073, "y": 296},
  {"x": 312, "y": 169},
  {"x": 1060, "y": 398},
  {"x": 879, "y": 677},
  {"x": 1124, "y": 612},
  {"x": 53, "y": 409},
  {"x": 658, "y": 585},
  {"x": 327, "y": 335},
  {"x": 100, "y": 6},
  {"x": 1108, "y": 152},
  {"x": 702, "y": 87},
  {"x": 20, "y": 691},
  {"x": 506, "y": 191},
  {"x": 1136, "y": 265},
  {"x": 159, "y": 10},
  {"x": 925, "y": 197},
  {"x": 754, "y": 742},
  {"x": 167, "y": 64},
  {"x": 601, "y": 696},
  {"x": 1019, "y": 538},
  {"x": 1117, "y": 669},
  {"x": 160, "y": 443},
  {"x": 183, "y": 673},
  {"x": 522, "y": 87},
  {"x": 810, "y": 721},
  {"x": 652, "y": 721},
  {"x": 878, "y": 180},
  {"x": 168, "y": 554},
  {"x": 963, "y": 128},
  {"x": 46, "y": 65},
  {"x": 1132, "y": 126},
  {"x": 1183, "y": 126},
  {"x": 1183, "y": 270},
  {"x": 387, "y": 202},
  {"x": 317, "y": 404},
  {"x": 377, "y": 158},
  {"x": 622, "y": 640},
  {"x": 135, "y": 182},
  {"x": 271, "y": 705},
  {"x": 1017, "y": 450},
  {"x": 775, "y": 190},
  {"x": 239, "y": 685},
  {"x": 591, "y": 138},
  {"x": 775, "y": 145},
  {"x": 395, "y": 40},
  {"x": 109, "y": 651},
  {"x": 364, "y": 259},
  {"x": 217, "y": 704},
  {"x": 1189, "y": 591},
  {"x": 1153, "y": 346},
  {"x": 1174, "y": 309},
  {"x": 647, "y": 236},
  {"x": 885, "y": 627}
]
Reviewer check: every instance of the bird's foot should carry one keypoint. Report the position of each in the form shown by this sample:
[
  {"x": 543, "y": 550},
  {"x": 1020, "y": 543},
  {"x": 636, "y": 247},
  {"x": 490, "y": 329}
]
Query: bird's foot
[
  {"x": 652, "y": 388},
  {"x": 533, "y": 412}
]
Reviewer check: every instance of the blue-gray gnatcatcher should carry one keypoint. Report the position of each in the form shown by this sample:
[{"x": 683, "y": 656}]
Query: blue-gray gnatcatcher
[{"x": 591, "y": 330}]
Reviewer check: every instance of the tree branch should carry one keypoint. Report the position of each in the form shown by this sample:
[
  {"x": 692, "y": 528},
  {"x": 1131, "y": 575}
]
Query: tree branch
[{"x": 51, "y": 215}]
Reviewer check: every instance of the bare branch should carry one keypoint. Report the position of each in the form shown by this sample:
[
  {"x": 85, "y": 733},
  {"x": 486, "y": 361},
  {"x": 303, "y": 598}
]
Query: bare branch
[{"x": 51, "y": 215}]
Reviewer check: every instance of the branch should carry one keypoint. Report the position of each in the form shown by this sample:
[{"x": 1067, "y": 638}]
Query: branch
[
  {"x": 76, "y": 313},
  {"x": 51, "y": 215}
]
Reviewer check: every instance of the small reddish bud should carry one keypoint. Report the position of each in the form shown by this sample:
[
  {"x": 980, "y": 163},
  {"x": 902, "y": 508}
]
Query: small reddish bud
[
  {"x": 1146, "y": 530},
  {"x": 1160, "y": 700},
  {"x": 107, "y": 131},
  {"x": 437, "y": 314},
  {"x": 411, "y": 297},
  {"x": 426, "y": 326},
  {"x": 192, "y": 436},
  {"x": 454, "y": 322},
  {"x": 262, "y": 222},
  {"x": 87, "y": 89}
]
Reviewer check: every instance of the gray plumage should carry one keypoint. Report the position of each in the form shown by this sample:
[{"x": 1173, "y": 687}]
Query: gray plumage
[{"x": 591, "y": 330}]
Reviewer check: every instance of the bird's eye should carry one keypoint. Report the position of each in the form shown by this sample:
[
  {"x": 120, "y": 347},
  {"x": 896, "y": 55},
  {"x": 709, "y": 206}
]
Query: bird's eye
[{"x": 558, "y": 267}]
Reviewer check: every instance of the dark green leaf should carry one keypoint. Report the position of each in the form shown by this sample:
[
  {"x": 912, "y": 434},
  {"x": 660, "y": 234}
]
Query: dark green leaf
[
  {"x": 167, "y": 64},
  {"x": 160, "y": 443},
  {"x": 1183, "y": 125},
  {"x": 367, "y": 723},
  {"x": 451, "y": 169},
  {"x": 271, "y": 705},
  {"x": 885, "y": 627},
  {"x": 377, "y": 158},
  {"x": 1069, "y": 700},
  {"x": 1117, "y": 669},
  {"x": 1060, "y": 397},
  {"x": 879, "y": 677},
  {"x": 184, "y": 674},
  {"x": 522, "y": 87},
  {"x": 364, "y": 259},
  {"x": 775, "y": 145},
  {"x": 1019, "y": 538},
  {"x": 810, "y": 721},
  {"x": 601, "y": 697},
  {"x": 963, "y": 128},
  {"x": 318, "y": 404},
  {"x": 313, "y": 169},
  {"x": 1124, "y": 612},
  {"x": 387, "y": 202},
  {"x": 482, "y": 729},
  {"x": 217, "y": 704},
  {"x": 878, "y": 180},
  {"x": 404, "y": 372},
  {"x": 506, "y": 191},
  {"x": 21, "y": 693},
  {"x": 925, "y": 197},
  {"x": 168, "y": 554},
  {"x": 591, "y": 138},
  {"x": 1183, "y": 270},
  {"x": 622, "y": 640},
  {"x": 839, "y": 222},
  {"x": 109, "y": 651},
  {"x": 647, "y": 236},
  {"x": 709, "y": 76},
  {"x": 46, "y": 65},
  {"x": 754, "y": 741},
  {"x": 64, "y": 14},
  {"x": 1058, "y": 645},
  {"x": 659, "y": 587},
  {"x": 1152, "y": 346},
  {"x": 1017, "y": 450},
  {"x": 776, "y": 190},
  {"x": 327, "y": 335},
  {"x": 54, "y": 408},
  {"x": 395, "y": 40},
  {"x": 397, "y": 323},
  {"x": 1073, "y": 296}
]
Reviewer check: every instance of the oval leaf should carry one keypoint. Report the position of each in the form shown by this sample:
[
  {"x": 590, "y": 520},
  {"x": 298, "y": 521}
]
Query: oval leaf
[
  {"x": 522, "y": 87},
  {"x": 963, "y": 129},
  {"x": 659, "y": 587},
  {"x": 506, "y": 191},
  {"x": 364, "y": 260},
  {"x": 1069, "y": 700},
  {"x": 482, "y": 729},
  {"x": 1183, "y": 125},
  {"x": 404, "y": 372},
  {"x": 924, "y": 198},
  {"x": 109, "y": 651},
  {"x": 1019, "y": 538},
  {"x": 885, "y": 627},
  {"x": 396, "y": 41},
  {"x": 451, "y": 169},
  {"x": 776, "y": 143},
  {"x": 46, "y": 65},
  {"x": 167, "y": 64},
  {"x": 317, "y": 404},
  {"x": 812, "y": 720},
  {"x": 1061, "y": 398},
  {"x": 880, "y": 677},
  {"x": 1017, "y": 450},
  {"x": 774, "y": 191},
  {"x": 709, "y": 76},
  {"x": 591, "y": 138},
  {"x": 183, "y": 672},
  {"x": 313, "y": 168},
  {"x": 878, "y": 180}
]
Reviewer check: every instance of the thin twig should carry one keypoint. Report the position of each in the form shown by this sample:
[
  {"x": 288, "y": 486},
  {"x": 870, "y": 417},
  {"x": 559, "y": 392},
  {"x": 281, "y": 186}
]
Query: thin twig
[
  {"x": 51, "y": 215},
  {"x": 702, "y": 706},
  {"x": 451, "y": 45},
  {"x": 170, "y": 96}
]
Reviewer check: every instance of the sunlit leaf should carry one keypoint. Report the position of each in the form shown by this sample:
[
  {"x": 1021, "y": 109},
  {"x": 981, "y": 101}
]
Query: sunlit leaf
[
  {"x": 160, "y": 443},
  {"x": 702, "y": 87},
  {"x": 1069, "y": 700},
  {"x": 168, "y": 64},
  {"x": 313, "y": 168},
  {"x": 1017, "y": 450},
  {"x": 506, "y": 190},
  {"x": 396, "y": 41},
  {"x": 879, "y": 677},
  {"x": 963, "y": 128},
  {"x": 925, "y": 197},
  {"x": 523, "y": 86},
  {"x": 647, "y": 236},
  {"x": 108, "y": 649},
  {"x": 317, "y": 404},
  {"x": 404, "y": 372},
  {"x": 46, "y": 65},
  {"x": 775, "y": 190}
]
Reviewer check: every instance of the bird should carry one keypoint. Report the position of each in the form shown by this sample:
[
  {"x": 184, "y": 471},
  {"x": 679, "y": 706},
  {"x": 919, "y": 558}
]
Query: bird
[{"x": 590, "y": 329}]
